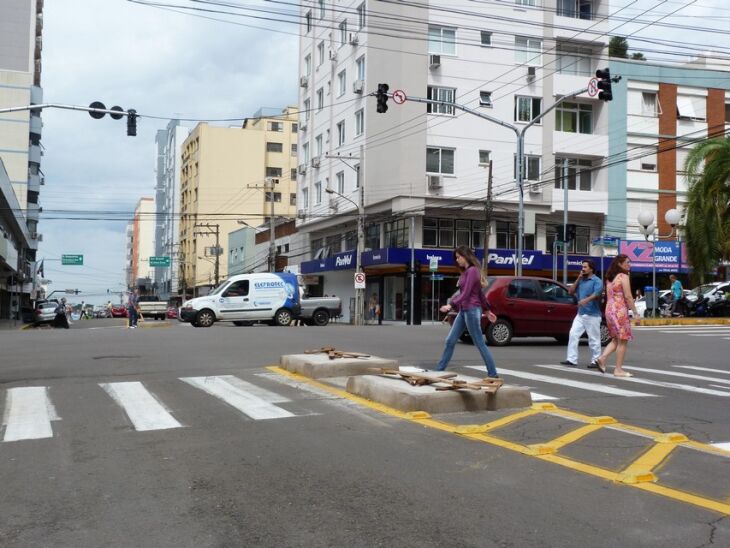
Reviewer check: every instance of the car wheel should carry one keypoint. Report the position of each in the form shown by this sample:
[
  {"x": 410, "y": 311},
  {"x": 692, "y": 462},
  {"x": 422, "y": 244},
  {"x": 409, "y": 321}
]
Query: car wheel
[
  {"x": 283, "y": 317},
  {"x": 500, "y": 333},
  {"x": 605, "y": 335},
  {"x": 320, "y": 317},
  {"x": 204, "y": 318}
]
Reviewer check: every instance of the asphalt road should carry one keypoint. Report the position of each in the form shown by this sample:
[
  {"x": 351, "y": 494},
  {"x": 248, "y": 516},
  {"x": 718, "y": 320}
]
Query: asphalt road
[{"x": 309, "y": 468}]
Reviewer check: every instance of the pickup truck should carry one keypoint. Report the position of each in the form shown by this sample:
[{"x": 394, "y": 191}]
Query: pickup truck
[
  {"x": 152, "y": 307},
  {"x": 319, "y": 310}
]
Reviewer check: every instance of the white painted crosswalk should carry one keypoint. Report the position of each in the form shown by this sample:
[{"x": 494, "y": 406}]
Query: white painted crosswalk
[
  {"x": 28, "y": 414},
  {"x": 141, "y": 406},
  {"x": 719, "y": 332}
]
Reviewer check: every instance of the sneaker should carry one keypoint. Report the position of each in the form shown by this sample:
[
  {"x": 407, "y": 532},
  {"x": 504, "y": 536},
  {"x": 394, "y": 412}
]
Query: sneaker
[{"x": 568, "y": 362}]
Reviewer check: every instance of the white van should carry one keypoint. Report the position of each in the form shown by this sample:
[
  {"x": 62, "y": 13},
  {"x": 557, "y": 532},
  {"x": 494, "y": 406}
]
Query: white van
[{"x": 272, "y": 297}]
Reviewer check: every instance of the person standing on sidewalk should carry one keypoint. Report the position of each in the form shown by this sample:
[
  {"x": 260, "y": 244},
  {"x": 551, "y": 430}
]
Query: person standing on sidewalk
[
  {"x": 469, "y": 303},
  {"x": 677, "y": 293},
  {"x": 133, "y": 308},
  {"x": 588, "y": 288}
]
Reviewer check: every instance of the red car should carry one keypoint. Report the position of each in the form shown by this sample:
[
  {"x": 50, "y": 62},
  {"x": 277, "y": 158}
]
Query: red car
[
  {"x": 528, "y": 306},
  {"x": 119, "y": 311},
  {"x": 171, "y": 313}
]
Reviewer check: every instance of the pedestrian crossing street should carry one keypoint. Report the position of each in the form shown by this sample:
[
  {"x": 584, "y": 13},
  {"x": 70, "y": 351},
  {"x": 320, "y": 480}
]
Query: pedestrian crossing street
[{"x": 721, "y": 332}]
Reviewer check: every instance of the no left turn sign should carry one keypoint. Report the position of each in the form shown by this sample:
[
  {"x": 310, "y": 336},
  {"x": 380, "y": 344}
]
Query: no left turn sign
[
  {"x": 399, "y": 97},
  {"x": 359, "y": 280},
  {"x": 592, "y": 87}
]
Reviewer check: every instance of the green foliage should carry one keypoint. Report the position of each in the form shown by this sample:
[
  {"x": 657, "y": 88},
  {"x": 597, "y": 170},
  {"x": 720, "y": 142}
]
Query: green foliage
[
  {"x": 708, "y": 205},
  {"x": 638, "y": 56},
  {"x": 618, "y": 47}
]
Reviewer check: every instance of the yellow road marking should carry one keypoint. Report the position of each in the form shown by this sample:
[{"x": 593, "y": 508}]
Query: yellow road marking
[{"x": 637, "y": 475}]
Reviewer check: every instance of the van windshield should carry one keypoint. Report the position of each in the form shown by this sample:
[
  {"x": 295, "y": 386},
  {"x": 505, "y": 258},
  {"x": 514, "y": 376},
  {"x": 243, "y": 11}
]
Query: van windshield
[{"x": 218, "y": 289}]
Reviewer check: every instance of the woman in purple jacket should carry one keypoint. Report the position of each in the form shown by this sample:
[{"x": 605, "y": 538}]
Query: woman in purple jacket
[{"x": 469, "y": 303}]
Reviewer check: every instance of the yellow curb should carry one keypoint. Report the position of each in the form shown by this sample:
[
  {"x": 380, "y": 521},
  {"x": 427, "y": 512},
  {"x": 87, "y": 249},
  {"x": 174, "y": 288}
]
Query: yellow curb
[
  {"x": 649, "y": 322},
  {"x": 417, "y": 415},
  {"x": 672, "y": 437},
  {"x": 540, "y": 449},
  {"x": 638, "y": 477}
]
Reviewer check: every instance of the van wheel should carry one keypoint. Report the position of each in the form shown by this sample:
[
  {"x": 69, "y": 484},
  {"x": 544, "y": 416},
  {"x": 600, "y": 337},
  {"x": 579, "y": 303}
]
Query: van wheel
[
  {"x": 500, "y": 333},
  {"x": 205, "y": 318},
  {"x": 320, "y": 317},
  {"x": 283, "y": 317}
]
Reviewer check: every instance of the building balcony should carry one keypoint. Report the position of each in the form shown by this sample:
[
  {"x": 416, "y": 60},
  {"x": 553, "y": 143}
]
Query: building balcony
[
  {"x": 575, "y": 28},
  {"x": 34, "y": 183},
  {"x": 34, "y": 154},
  {"x": 580, "y": 201},
  {"x": 36, "y": 125},
  {"x": 564, "y": 83},
  {"x": 585, "y": 145},
  {"x": 36, "y": 95},
  {"x": 33, "y": 212}
]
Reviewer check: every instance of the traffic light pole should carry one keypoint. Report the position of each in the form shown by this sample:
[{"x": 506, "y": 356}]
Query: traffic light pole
[{"x": 94, "y": 112}]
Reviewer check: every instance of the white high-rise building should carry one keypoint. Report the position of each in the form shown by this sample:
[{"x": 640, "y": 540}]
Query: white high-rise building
[
  {"x": 424, "y": 169},
  {"x": 167, "y": 199}
]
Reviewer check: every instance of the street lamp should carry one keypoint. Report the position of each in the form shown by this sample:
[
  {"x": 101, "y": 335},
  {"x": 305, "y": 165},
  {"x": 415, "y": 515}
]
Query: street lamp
[
  {"x": 648, "y": 229},
  {"x": 359, "y": 293}
]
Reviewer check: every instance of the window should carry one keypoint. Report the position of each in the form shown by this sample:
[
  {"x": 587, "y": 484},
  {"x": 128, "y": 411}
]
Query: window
[
  {"x": 649, "y": 104},
  {"x": 292, "y": 198},
  {"x": 484, "y": 157},
  {"x": 441, "y": 94},
  {"x": 320, "y": 98},
  {"x": 440, "y": 160},
  {"x": 293, "y": 174},
  {"x": 531, "y": 169},
  {"x": 305, "y": 153},
  {"x": 507, "y": 236},
  {"x": 357, "y": 175},
  {"x": 294, "y": 128},
  {"x": 396, "y": 233},
  {"x": 340, "y": 177},
  {"x": 321, "y": 9},
  {"x": 581, "y": 244},
  {"x": 318, "y": 145},
  {"x": 574, "y": 118},
  {"x": 361, "y": 16},
  {"x": 274, "y": 147},
  {"x": 277, "y": 196},
  {"x": 550, "y": 291},
  {"x": 360, "y": 68},
  {"x": 485, "y": 99},
  {"x": 275, "y": 126},
  {"x": 463, "y": 232},
  {"x": 350, "y": 240},
  {"x": 430, "y": 232},
  {"x": 441, "y": 40},
  {"x": 305, "y": 198},
  {"x": 573, "y": 172},
  {"x": 341, "y": 83},
  {"x": 372, "y": 236},
  {"x": 343, "y": 32},
  {"x": 528, "y": 51},
  {"x": 320, "y": 53},
  {"x": 525, "y": 2},
  {"x": 648, "y": 165},
  {"x": 727, "y": 113},
  {"x": 446, "y": 232},
  {"x": 308, "y": 19},
  {"x": 318, "y": 192},
  {"x": 341, "y": 133},
  {"x": 486, "y": 38},
  {"x": 574, "y": 60},
  {"x": 273, "y": 172},
  {"x": 686, "y": 109},
  {"x": 237, "y": 289},
  {"x": 294, "y": 149},
  {"x": 578, "y": 9},
  {"x": 527, "y": 108},
  {"x": 308, "y": 65},
  {"x": 477, "y": 234},
  {"x": 307, "y": 107},
  {"x": 359, "y": 122}
]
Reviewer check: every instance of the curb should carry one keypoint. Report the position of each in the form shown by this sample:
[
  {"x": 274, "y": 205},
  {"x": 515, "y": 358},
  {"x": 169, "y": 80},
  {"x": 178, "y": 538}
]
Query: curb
[{"x": 682, "y": 321}]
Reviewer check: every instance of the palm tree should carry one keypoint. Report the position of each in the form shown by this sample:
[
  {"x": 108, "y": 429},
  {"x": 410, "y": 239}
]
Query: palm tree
[{"x": 708, "y": 205}]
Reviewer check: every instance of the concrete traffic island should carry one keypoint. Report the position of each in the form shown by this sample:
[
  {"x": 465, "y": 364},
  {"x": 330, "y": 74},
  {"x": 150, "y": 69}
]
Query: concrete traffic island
[
  {"x": 399, "y": 394},
  {"x": 320, "y": 365}
]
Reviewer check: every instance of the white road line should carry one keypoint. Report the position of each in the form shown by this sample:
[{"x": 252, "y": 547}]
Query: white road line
[
  {"x": 141, "y": 406},
  {"x": 719, "y": 386},
  {"x": 234, "y": 393},
  {"x": 662, "y": 384},
  {"x": 605, "y": 389},
  {"x": 725, "y": 446},
  {"x": 28, "y": 414},
  {"x": 677, "y": 374},
  {"x": 704, "y": 335},
  {"x": 721, "y": 371}
]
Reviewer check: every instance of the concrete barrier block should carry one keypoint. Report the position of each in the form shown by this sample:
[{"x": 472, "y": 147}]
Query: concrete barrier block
[
  {"x": 398, "y": 394},
  {"x": 318, "y": 366}
]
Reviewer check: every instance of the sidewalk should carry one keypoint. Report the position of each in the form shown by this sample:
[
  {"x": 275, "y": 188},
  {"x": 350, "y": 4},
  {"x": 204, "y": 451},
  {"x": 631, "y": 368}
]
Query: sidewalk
[
  {"x": 683, "y": 321},
  {"x": 9, "y": 325}
]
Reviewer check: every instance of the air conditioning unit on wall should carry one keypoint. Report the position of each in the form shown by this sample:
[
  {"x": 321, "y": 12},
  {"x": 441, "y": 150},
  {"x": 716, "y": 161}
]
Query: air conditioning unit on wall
[
  {"x": 535, "y": 188},
  {"x": 354, "y": 39},
  {"x": 531, "y": 72},
  {"x": 358, "y": 86},
  {"x": 434, "y": 61},
  {"x": 315, "y": 161},
  {"x": 303, "y": 81},
  {"x": 301, "y": 213},
  {"x": 302, "y": 169},
  {"x": 435, "y": 182}
]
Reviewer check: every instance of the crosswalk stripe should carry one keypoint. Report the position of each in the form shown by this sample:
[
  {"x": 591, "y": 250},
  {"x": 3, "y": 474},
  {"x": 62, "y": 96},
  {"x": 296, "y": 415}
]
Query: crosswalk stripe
[
  {"x": 234, "y": 393},
  {"x": 542, "y": 397},
  {"x": 29, "y": 413},
  {"x": 676, "y": 374},
  {"x": 661, "y": 384},
  {"x": 719, "y": 386},
  {"x": 725, "y": 446},
  {"x": 141, "y": 406},
  {"x": 696, "y": 368},
  {"x": 605, "y": 389},
  {"x": 703, "y": 335}
]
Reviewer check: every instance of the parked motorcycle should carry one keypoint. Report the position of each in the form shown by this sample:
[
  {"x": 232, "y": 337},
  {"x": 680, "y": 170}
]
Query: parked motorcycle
[
  {"x": 699, "y": 308},
  {"x": 719, "y": 308}
]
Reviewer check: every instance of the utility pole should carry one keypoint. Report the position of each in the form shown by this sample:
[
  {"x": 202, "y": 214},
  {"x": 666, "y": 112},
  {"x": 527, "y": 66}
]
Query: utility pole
[
  {"x": 212, "y": 230},
  {"x": 268, "y": 188},
  {"x": 488, "y": 209}
]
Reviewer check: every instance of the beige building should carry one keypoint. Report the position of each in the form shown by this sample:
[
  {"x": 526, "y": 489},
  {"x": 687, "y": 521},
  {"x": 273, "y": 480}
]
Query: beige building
[
  {"x": 224, "y": 171},
  {"x": 141, "y": 244}
]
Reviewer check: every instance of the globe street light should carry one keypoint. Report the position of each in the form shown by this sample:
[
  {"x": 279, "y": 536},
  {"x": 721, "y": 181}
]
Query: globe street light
[{"x": 648, "y": 229}]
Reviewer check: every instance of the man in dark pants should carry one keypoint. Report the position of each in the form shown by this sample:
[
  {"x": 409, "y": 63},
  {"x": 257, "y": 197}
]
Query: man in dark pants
[{"x": 133, "y": 308}]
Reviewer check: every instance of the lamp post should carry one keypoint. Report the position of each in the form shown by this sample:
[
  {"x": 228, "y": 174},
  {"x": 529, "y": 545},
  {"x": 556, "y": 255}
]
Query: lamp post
[
  {"x": 647, "y": 228},
  {"x": 359, "y": 293}
]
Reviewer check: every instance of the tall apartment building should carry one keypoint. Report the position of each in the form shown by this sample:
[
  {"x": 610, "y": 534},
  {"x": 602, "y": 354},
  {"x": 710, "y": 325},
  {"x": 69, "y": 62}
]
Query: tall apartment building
[
  {"x": 223, "y": 173},
  {"x": 167, "y": 199},
  {"x": 141, "y": 245},
  {"x": 21, "y": 26},
  {"x": 424, "y": 169}
]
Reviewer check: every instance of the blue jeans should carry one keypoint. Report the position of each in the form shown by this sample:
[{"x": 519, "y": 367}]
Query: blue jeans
[
  {"x": 132, "y": 313},
  {"x": 471, "y": 321}
]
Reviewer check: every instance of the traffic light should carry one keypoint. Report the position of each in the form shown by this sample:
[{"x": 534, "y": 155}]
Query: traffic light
[
  {"x": 569, "y": 233},
  {"x": 604, "y": 84},
  {"x": 382, "y": 96},
  {"x": 131, "y": 123}
]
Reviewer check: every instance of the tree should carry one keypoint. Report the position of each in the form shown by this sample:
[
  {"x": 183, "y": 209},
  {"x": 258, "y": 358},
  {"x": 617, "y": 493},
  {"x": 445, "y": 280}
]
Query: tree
[
  {"x": 707, "y": 216},
  {"x": 638, "y": 56},
  {"x": 618, "y": 47}
]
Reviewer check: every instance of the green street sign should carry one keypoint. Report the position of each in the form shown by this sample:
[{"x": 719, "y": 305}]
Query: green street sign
[
  {"x": 73, "y": 260},
  {"x": 160, "y": 261}
]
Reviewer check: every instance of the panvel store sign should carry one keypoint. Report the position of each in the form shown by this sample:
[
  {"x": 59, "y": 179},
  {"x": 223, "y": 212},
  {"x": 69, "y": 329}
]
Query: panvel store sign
[{"x": 670, "y": 256}]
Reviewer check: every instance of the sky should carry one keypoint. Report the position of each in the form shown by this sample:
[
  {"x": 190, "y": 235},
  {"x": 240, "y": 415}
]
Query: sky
[{"x": 174, "y": 65}]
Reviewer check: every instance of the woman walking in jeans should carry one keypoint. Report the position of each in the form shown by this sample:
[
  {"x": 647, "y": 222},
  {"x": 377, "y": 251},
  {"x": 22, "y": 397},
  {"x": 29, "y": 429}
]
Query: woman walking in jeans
[{"x": 469, "y": 303}]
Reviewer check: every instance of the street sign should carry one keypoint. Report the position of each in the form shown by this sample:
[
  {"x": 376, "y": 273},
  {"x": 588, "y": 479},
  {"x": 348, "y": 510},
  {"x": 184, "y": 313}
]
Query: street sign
[
  {"x": 606, "y": 241},
  {"x": 437, "y": 277},
  {"x": 592, "y": 87},
  {"x": 160, "y": 261},
  {"x": 399, "y": 97},
  {"x": 433, "y": 263},
  {"x": 75, "y": 260},
  {"x": 359, "y": 280}
]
